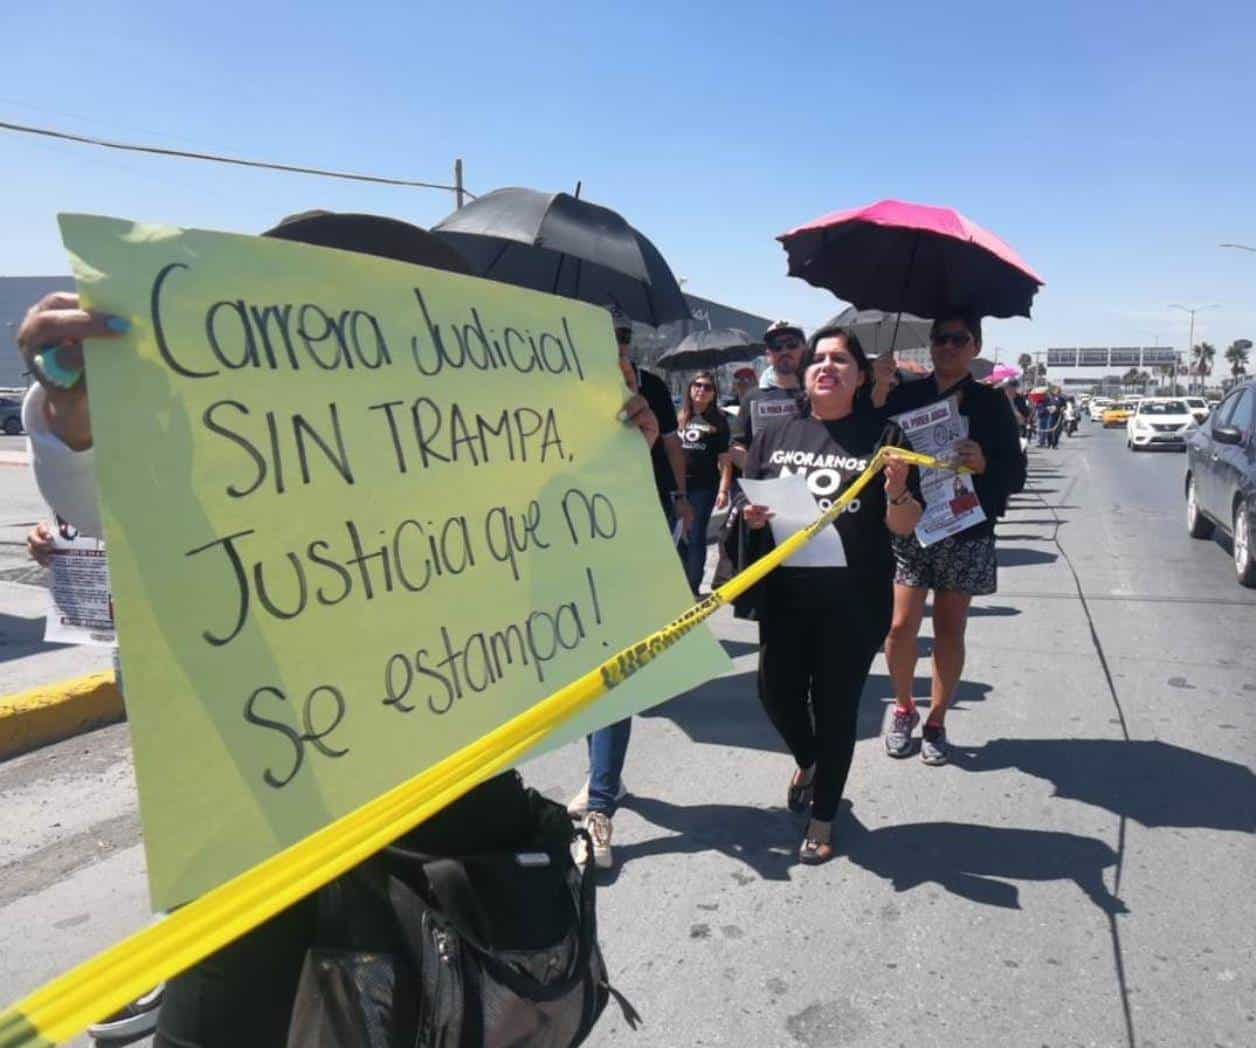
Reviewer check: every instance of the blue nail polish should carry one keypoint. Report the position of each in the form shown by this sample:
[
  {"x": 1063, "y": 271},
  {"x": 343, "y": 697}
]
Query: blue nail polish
[{"x": 118, "y": 325}]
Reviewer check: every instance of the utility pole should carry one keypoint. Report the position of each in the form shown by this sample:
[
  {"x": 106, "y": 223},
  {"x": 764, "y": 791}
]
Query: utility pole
[
  {"x": 1190, "y": 341},
  {"x": 458, "y": 183}
]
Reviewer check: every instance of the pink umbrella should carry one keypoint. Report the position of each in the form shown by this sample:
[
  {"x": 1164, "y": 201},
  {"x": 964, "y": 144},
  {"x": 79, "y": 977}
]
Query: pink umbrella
[
  {"x": 910, "y": 258},
  {"x": 1003, "y": 373}
]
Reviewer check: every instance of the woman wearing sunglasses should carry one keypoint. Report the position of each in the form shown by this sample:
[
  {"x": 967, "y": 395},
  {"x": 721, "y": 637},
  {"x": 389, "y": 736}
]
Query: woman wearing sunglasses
[
  {"x": 704, "y": 436},
  {"x": 958, "y": 567}
]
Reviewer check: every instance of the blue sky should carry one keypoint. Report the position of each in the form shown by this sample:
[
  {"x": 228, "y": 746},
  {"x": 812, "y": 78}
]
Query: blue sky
[{"x": 1111, "y": 144}]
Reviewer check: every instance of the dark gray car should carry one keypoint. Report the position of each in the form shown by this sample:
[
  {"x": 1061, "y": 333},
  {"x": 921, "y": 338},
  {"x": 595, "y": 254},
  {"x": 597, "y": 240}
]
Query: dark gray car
[
  {"x": 1221, "y": 478},
  {"x": 11, "y": 416}
]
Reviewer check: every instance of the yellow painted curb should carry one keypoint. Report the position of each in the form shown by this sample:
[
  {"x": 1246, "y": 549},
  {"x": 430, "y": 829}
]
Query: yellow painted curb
[{"x": 35, "y": 718}]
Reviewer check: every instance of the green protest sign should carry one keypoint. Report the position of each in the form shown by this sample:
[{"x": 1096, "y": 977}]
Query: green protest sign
[{"x": 358, "y": 514}]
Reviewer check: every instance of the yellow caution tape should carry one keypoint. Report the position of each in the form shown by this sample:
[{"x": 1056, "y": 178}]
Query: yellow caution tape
[{"x": 65, "y": 1007}]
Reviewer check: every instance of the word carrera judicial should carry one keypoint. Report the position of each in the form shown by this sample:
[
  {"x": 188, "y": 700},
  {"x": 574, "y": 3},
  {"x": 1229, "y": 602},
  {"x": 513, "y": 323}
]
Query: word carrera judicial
[{"x": 278, "y": 337}]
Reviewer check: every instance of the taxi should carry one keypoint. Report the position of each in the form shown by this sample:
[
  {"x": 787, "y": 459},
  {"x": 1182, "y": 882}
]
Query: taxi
[{"x": 1117, "y": 415}]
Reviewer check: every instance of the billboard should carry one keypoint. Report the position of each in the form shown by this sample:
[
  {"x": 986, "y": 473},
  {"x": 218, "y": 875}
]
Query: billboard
[
  {"x": 1061, "y": 358},
  {"x": 1159, "y": 356},
  {"x": 1093, "y": 357},
  {"x": 1125, "y": 356}
]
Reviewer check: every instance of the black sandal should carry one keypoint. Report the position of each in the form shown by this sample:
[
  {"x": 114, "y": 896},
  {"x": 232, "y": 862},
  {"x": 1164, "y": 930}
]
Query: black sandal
[
  {"x": 801, "y": 790},
  {"x": 817, "y": 846}
]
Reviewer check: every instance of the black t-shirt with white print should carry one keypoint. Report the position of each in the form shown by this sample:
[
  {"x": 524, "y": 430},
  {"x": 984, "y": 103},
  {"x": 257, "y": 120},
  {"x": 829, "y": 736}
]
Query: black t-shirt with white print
[
  {"x": 831, "y": 455},
  {"x": 703, "y": 441},
  {"x": 760, "y": 407}
]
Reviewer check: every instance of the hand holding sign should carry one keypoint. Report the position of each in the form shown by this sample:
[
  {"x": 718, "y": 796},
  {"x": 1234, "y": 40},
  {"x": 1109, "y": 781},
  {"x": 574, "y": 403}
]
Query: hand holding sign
[{"x": 359, "y": 513}]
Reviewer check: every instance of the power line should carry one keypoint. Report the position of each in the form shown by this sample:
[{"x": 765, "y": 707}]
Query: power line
[{"x": 266, "y": 165}]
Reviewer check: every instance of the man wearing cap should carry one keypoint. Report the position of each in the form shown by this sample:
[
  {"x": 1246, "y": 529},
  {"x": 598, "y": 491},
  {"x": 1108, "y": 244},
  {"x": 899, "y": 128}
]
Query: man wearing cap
[
  {"x": 598, "y": 799},
  {"x": 744, "y": 380},
  {"x": 785, "y": 343}
]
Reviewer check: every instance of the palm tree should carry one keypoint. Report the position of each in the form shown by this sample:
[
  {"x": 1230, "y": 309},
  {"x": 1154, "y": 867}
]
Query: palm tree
[
  {"x": 1130, "y": 378},
  {"x": 1166, "y": 373},
  {"x": 1026, "y": 364},
  {"x": 1203, "y": 354},
  {"x": 1237, "y": 356}
]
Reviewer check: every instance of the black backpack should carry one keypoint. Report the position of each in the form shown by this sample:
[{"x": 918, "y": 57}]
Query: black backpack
[{"x": 477, "y": 930}]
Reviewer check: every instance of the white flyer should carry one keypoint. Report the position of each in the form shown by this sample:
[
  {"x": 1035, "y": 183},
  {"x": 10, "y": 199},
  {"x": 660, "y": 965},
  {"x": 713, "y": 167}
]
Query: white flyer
[
  {"x": 80, "y": 601},
  {"x": 951, "y": 503},
  {"x": 789, "y": 498}
]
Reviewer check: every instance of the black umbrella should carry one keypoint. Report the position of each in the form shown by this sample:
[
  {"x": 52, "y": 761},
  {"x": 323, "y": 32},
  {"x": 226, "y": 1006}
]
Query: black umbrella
[
  {"x": 557, "y": 243},
  {"x": 710, "y": 349},
  {"x": 880, "y": 332}
]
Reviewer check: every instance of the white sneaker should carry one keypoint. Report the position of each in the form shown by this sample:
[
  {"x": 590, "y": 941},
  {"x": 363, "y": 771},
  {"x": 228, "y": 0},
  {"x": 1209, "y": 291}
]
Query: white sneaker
[
  {"x": 598, "y": 826},
  {"x": 133, "y": 1021},
  {"x": 578, "y": 806}
]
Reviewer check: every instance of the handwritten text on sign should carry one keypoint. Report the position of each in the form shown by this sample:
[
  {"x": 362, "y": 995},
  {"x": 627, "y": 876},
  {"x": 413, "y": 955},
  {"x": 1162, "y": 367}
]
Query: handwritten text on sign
[{"x": 359, "y": 514}]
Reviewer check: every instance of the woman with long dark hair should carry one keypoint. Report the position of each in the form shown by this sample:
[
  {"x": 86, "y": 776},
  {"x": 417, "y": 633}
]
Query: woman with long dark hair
[
  {"x": 819, "y": 628},
  {"x": 704, "y": 436}
]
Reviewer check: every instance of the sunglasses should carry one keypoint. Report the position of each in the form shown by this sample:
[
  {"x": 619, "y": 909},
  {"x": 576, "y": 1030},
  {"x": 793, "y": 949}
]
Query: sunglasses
[
  {"x": 784, "y": 345},
  {"x": 958, "y": 339},
  {"x": 702, "y": 385}
]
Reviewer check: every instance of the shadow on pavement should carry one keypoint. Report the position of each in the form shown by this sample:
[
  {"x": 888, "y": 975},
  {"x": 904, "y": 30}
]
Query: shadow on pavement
[
  {"x": 977, "y": 862},
  {"x": 978, "y": 611},
  {"x": 733, "y": 648},
  {"x": 20, "y": 637},
  {"x": 973, "y": 862},
  {"x": 1153, "y": 783},
  {"x": 765, "y": 839},
  {"x": 1019, "y": 558},
  {"x": 726, "y": 711}
]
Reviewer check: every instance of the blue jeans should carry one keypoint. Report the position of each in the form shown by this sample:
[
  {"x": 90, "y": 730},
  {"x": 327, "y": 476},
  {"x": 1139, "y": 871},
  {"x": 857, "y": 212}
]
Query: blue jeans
[
  {"x": 703, "y": 503},
  {"x": 608, "y": 747}
]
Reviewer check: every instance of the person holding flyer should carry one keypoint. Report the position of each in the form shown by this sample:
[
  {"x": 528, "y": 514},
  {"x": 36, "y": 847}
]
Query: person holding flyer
[
  {"x": 952, "y": 553},
  {"x": 820, "y": 625}
]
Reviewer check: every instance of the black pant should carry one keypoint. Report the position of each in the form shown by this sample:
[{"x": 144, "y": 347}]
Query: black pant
[
  {"x": 242, "y": 995},
  {"x": 812, "y": 669}
]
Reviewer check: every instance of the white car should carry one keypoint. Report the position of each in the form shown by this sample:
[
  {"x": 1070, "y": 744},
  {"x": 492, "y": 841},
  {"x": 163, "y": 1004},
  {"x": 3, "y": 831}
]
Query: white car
[
  {"x": 1199, "y": 408},
  {"x": 1097, "y": 406},
  {"x": 1160, "y": 422}
]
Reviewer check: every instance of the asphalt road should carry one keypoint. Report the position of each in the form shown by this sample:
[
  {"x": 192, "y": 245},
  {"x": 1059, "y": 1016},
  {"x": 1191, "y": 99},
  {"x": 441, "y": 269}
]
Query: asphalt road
[{"x": 1080, "y": 875}]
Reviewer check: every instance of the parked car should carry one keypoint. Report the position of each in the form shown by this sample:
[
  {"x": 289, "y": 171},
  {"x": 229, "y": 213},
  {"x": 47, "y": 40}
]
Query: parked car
[
  {"x": 1116, "y": 415},
  {"x": 1200, "y": 408},
  {"x": 1159, "y": 422},
  {"x": 11, "y": 416},
  {"x": 1221, "y": 478}
]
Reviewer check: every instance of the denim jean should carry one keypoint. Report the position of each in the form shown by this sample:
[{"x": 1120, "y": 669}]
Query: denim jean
[
  {"x": 608, "y": 747},
  {"x": 703, "y": 503}
]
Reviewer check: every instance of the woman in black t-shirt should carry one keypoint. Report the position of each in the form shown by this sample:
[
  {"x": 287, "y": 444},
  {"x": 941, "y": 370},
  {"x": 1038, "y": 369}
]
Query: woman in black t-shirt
[
  {"x": 819, "y": 628},
  {"x": 704, "y": 436}
]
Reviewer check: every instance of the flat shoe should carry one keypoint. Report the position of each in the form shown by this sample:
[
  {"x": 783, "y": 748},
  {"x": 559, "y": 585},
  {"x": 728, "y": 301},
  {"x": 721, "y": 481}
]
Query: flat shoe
[{"x": 817, "y": 848}]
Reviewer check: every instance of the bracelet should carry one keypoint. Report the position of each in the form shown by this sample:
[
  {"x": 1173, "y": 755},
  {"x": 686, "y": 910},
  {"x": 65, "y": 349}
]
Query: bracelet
[{"x": 906, "y": 496}]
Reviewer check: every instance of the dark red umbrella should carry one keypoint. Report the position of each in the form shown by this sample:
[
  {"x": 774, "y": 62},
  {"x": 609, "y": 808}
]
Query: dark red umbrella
[{"x": 911, "y": 258}]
